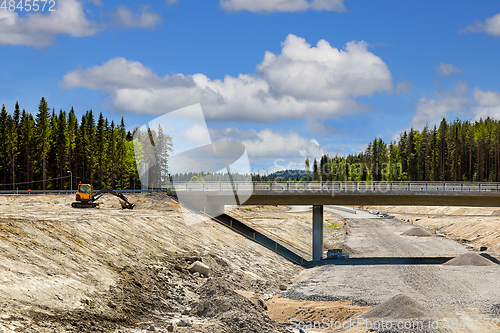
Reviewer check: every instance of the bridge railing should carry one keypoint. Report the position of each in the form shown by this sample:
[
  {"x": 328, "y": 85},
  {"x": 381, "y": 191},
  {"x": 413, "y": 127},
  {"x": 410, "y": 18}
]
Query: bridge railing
[{"x": 349, "y": 186}]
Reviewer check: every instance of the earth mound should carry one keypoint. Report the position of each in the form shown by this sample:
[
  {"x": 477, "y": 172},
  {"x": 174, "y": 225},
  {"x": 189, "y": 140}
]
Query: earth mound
[
  {"x": 469, "y": 259},
  {"x": 416, "y": 231},
  {"x": 397, "y": 307},
  {"x": 218, "y": 299}
]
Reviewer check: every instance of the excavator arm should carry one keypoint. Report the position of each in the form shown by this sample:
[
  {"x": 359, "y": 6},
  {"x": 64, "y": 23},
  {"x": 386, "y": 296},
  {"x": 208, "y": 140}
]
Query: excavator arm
[{"x": 125, "y": 202}]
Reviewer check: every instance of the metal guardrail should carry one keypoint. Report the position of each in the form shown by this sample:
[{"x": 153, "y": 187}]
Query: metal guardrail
[
  {"x": 37, "y": 192},
  {"x": 340, "y": 186}
]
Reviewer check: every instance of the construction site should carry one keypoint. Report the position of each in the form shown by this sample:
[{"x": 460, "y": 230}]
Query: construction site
[{"x": 108, "y": 269}]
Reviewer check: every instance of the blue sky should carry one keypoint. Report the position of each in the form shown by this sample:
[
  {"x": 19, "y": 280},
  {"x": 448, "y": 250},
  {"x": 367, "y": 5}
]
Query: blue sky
[{"x": 257, "y": 69}]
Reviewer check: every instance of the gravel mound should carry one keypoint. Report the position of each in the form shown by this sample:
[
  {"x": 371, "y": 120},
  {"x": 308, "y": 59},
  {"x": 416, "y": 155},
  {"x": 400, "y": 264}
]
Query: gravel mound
[
  {"x": 397, "y": 307},
  {"x": 419, "y": 232},
  {"x": 469, "y": 259},
  {"x": 239, "y": 314}
]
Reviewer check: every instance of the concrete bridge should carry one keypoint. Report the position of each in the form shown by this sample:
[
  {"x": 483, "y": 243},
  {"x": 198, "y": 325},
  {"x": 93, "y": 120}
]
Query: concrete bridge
[{"x": 212, "y": 196}]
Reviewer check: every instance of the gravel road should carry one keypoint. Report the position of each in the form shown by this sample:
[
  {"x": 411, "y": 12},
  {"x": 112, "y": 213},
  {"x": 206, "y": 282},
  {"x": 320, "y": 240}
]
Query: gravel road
[{"x": 446, "y": 291}]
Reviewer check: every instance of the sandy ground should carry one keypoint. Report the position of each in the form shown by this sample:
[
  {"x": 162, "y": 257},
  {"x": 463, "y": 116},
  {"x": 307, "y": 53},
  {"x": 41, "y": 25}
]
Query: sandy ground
[
  {"x": 474, "y": 226},
  {"x": 294, "y": 224},
  {"x": 114, "y": 270},
  {"x": 65, "y": 269}
]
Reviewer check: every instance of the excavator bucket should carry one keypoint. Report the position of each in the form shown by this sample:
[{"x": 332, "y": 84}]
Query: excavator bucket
[{"x": 127, "y": 205}]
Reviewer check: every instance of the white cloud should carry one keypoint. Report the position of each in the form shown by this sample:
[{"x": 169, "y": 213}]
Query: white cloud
[
  {"x": 432, "y": 110},
  {"x": 143, "y": 18},
  {"x": 282, "y": 5},
  {"x": 265, "y": 145},
  {"x": 403, "y": 87},
  {"x": 301, "y": 82},
  {"x": 456, "y": 102},
  {"x": 488, "y": 104},
  {"x": 320, "y": 128},
  {"x": 490, "y": 25},
  {"x": 324, "y": 72},
  {"x": 447, "y": 70},
  {"x": 39, "y": 29},
  {"x": 487, "y": 98}
]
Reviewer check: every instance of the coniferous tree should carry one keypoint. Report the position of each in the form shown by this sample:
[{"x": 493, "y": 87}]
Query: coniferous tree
[{"x": 42, "y": 137}]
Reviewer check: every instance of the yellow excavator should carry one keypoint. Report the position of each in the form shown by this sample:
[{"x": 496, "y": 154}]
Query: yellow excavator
[{"x": 86, "y": 197}]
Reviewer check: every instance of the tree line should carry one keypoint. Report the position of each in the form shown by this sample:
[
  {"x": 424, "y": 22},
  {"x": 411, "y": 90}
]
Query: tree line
[
  {"x": 453, "y": 151},
  {"x": 39, "y": 152}
]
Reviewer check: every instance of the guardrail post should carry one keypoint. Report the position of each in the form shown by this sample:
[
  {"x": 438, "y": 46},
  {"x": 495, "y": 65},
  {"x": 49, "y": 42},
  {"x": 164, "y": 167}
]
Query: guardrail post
[
  {"x": 321, "y": 186},
  {"x": 425, "y": 186},
  {"x": 479, "y": 187},
  {"x": 444, "y": 187},
  {"x": 409, "y": 186},
  {"x": 253, "y": 183},
  {"x": 288, "y": 186},
  {"x": 462, "y": 187}
]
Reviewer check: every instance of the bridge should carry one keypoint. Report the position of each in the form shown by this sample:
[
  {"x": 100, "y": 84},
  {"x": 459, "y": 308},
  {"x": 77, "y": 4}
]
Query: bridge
[{"x": 212, "y": 196}]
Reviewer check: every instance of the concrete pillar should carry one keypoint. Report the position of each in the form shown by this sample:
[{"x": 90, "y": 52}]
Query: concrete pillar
[
  {"x": 317, "y": 236},
  {"x": 215, "y": 210}
]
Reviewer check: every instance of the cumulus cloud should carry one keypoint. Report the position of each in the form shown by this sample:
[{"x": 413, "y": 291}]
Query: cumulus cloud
[
  {"x": 432, "y": 110},
  {"x": 488, "y": 104},
  {"x": 490, "y": 26},
  {"x": 455, "y": 101},
  {"x": 301, "y": 82},
  {"x": 289, "y": 147},
  {"x": 143, "y": 18},
  {"x": 447, "y": 70},
  {"x": 324, "y": 72},
  {"x": 282, "y": 5},
  {"x": 38, "y": 29}
]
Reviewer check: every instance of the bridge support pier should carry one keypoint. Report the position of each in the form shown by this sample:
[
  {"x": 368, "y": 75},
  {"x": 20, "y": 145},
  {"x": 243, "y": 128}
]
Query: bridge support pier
[
  {"x": 317, "y": 233},
  {"x": 215, "y": 210}
]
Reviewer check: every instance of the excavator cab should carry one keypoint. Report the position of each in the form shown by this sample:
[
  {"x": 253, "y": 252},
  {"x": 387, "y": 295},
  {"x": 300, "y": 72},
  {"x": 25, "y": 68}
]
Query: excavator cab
[{"x": 84, "y": 192}]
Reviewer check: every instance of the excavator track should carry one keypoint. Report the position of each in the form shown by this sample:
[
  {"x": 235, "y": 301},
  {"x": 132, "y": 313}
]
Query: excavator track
[{"x": 84, "y": 204}]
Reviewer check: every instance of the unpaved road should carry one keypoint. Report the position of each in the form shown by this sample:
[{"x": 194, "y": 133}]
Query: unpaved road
[{"x": 446, "y": 291}]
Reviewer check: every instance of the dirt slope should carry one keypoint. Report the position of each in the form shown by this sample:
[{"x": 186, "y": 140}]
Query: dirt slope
[{"x": 69, "y": 270}]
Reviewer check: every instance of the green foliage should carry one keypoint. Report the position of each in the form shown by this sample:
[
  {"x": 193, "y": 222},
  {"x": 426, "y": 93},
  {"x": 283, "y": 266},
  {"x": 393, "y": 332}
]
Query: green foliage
[
  {"x": 453, "y": 151},
  {"x": 47, "y": 146}
]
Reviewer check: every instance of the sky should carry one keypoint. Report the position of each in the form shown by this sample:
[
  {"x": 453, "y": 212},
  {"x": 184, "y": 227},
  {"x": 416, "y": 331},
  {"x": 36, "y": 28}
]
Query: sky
[{"x": 289, "y": 79}]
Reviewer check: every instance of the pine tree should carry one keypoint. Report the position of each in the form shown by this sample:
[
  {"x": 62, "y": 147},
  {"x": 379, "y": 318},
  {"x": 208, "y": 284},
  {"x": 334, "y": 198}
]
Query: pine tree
[{"x": 42, "y": 139}]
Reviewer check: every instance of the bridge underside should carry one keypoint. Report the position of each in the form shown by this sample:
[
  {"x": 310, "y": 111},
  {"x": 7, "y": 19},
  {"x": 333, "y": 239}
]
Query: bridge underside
[
  {"x": 403, "y": 198},
  {"x": 213, "y": 203}
]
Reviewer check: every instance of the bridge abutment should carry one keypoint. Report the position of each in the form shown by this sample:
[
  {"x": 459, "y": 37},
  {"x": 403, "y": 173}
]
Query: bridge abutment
[{"x": 317, "y": 233}]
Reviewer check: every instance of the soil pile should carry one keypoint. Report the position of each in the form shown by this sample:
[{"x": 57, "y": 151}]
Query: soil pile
[
  {"x": 469, "y": 259},
  {"x": 419, "y": 232},
  {"x": 397, "y": 307},
  {"x": 219, "y": 300}
]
